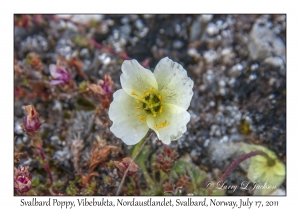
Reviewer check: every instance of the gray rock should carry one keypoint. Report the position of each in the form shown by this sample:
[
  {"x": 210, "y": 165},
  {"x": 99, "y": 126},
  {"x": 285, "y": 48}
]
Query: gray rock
[
  {"x": 236, "y": 70},
  {"x": 139, "y": 24},
  {"x": 19, "y": 33},
  {"x": 193, "y": 53},
  {"x": 223, "y": 153},
  {"x": 274, "y": 62},
  {"x": 212, "y": 29},
  {"x": 210, "y": 56},
  {"x": 264, "y": 43},
  {"x": 195, "y": 30},
  {"x": 177, "y": 44},
  {"x": 205, "y": 18}
]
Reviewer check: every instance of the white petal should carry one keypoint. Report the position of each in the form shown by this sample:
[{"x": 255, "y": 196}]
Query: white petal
[
  {"x": 53, "y": 71},
  {"x": 126, "y": 125},
  {"x": 177, "y": 119},
  {"x": 56, "y": 82},
  {"x": 173, "y": 83},
  {"x": 136, "y": 78}
]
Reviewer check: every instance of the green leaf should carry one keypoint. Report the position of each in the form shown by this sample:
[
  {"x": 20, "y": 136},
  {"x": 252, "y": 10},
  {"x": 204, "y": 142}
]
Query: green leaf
[
  {"x": 140, "y": 160},
  {"x": 201, "y": 191},
  {"x": 196, "y": 175},
  {"x": 35, "y": 182},
  {"x": 182, "y": 167},
  {"x": 179, "y": 168},
  {"x": 217, "y": 192}
]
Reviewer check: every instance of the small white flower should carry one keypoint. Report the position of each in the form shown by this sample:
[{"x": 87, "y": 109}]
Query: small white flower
[{"x": 156, "y": 100}]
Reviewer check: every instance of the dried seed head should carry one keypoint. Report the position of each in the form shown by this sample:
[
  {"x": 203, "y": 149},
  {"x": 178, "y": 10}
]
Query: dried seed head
[
  {"x": 124, "y": 164},
  {"x": 22, "y": 179}
]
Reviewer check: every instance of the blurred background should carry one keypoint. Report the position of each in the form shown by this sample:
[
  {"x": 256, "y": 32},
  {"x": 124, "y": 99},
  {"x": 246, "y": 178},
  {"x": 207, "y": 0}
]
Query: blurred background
[{"x": 237, "y": 63}]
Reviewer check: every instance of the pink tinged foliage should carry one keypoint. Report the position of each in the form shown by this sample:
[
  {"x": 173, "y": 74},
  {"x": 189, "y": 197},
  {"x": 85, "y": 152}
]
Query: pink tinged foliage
[
  {"x": 104, "y": 89},
  {"x": 60, "y": 75},
  {"x": 31, "y": 122},
  {"x": 22, "y": 179},
  {"x": 124, "y": 164}
]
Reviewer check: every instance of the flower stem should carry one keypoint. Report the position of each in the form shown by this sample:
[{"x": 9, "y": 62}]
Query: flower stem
[
  {"x": 241, "y": 159},
  {"x": 45, "y": 163},
  {"x": 136, "y": 183},
  {"x": 38, "y": 144},
  {"x": 138, "y": 152}
]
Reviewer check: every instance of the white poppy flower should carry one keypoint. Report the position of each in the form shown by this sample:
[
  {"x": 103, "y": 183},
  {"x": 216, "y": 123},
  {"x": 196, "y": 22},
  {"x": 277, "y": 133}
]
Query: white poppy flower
[{"x": 156, "y": 100}]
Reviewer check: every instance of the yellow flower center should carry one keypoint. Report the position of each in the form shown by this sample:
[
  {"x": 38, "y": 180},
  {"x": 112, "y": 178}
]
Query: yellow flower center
[{"x": 150, "y": 103}]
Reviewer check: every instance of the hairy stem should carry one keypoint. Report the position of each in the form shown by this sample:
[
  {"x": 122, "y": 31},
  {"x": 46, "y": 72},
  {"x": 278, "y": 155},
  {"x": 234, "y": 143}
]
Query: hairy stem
[
  {"x": 241, "y": 159},
  {"x": 131, "y": 162},
  {"x": 136, "y": 183},
  {"x": 38, "y": 144},
  {"x": 148, "y": 178},
  {"x": 45, "y": 163}
]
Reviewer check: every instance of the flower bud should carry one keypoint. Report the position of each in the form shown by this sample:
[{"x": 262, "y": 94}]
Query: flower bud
[
  {"x": 107, "y": 85},
  {"x": 60, "y": 74},
  {"x": 123, "y": 165},
  {"x": 22, "y": 179},
  {"x": 31, "y": 122}
]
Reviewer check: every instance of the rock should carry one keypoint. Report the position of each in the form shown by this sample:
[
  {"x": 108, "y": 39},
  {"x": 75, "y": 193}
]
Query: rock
[
  {"x": 139, "y": 24},
  {"x": 195, "y": 30},
  {"x": 263, "y": 43},
  {"x": 82, "y": 19},
  {"x": 125, "y": 20},
  {"x": 210, "y": 56},
  {"x": 274, "y": 62},
  {"x": 193, "y": 53},
  {"x": 254, "y": 67},
  {"x": 227, "y": 56},
  {"x": 177, "y": 44},
  {"x": 205, "y": 18},
  {"x": 212, "y": 29},
  {"x": 236, "y": 70},
  {"x": 19, "y": 33},
  {"x": 35, "y": 43},
  {"x": 223, "y": 153}
]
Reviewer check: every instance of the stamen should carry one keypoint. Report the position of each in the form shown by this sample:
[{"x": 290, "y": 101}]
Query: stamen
[
  {"x": 160, "y": 110},
  {"x": 142, "y": 119},
  {"x": 156, "y": 127},
  {"x": 151, "y": 104}
]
